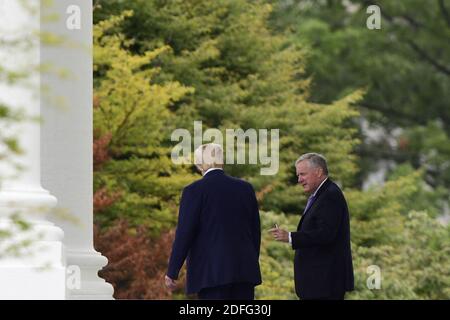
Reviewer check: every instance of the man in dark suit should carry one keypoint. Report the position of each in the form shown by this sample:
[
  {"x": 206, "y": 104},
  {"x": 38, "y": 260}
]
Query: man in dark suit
[
  {"x": 323, "y": 267},
  {"x": 218, "y": 232}
]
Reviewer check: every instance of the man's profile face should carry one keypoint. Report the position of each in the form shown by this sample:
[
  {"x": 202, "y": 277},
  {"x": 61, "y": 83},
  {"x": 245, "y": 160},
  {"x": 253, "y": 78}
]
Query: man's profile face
[{"x": 308, "y": 176}]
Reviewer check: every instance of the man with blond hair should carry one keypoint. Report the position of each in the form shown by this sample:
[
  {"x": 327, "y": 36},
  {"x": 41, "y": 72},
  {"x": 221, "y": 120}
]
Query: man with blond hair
[{"x": 218, "y": 233}]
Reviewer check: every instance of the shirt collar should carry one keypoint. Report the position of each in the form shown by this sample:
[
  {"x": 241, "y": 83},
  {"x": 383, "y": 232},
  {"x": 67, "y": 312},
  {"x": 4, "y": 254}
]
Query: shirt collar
[
  {"x": 314, "y": 194},
  {"x": 211, "y": 169}
]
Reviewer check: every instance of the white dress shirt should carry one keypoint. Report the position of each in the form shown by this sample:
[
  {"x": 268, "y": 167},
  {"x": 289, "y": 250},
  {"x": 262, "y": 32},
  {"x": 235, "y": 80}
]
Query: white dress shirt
[{"x": 212, "y": 169}]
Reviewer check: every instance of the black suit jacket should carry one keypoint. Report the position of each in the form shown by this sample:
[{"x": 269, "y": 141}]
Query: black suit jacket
[
  {"x": 218, "y": 232},
  {"x": 323, "y": 261}
]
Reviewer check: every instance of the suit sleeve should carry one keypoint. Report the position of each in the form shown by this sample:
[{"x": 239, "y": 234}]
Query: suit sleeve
[
  {"x": 328, "y": 216},
  {"x": 188, "y": 221},
  {"x": 256, "y": 222}
]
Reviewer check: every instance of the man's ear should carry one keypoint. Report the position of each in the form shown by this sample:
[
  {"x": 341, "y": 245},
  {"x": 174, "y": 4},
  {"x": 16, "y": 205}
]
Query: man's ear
[{"x": 319, "y": 171}]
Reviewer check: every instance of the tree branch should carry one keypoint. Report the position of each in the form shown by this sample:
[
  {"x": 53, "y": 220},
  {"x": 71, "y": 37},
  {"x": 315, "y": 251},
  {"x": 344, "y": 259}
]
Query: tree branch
[
  {"x": 392, "y": 111},
  {"x": 424, "y": 55},
  {"x": 444, "y": 12}
]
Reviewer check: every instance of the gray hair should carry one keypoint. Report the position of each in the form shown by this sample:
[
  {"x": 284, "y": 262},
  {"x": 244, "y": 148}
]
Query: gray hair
[
  {"x": 314, "y": 159},
  {"x": 208, "y": 155}
]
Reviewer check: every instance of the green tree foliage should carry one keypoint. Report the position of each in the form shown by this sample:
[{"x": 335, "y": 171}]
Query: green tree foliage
[
  {"x": 404, "y": 66},
  {"x": 276, "y": 260},
  {"x": 131, "y": 119},
  {"x": 393, "y": 228},
  {"x": 244, "y": 76}
]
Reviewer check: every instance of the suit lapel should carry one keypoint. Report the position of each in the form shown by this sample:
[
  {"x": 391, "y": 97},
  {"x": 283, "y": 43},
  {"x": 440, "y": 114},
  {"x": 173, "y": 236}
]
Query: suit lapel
[{"x": 316, "y": 201}]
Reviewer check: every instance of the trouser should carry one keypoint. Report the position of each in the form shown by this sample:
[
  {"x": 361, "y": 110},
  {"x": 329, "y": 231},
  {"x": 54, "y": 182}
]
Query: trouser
[{"x": 233, "y": 291}]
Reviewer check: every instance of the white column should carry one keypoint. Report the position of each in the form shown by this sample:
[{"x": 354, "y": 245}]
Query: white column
[
  {"x": 67, "y": 168},
  {"x": 38, "y": 272}
]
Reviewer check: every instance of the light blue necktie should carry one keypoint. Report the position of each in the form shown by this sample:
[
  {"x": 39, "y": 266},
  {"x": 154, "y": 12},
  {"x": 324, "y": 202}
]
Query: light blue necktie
[{"x": 309, "y": 203}]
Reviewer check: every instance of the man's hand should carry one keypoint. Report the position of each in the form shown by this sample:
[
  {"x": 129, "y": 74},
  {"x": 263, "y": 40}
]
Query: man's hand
[
  {"x": 170, "y": 283},
  {"x": 280, "y": 234}
]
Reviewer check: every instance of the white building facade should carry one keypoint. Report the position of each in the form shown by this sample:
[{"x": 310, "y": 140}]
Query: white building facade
[{"x": 60, "y": 261}]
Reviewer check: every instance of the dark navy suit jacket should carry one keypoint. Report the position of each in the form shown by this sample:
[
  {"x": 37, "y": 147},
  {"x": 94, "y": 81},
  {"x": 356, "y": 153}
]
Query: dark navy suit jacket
[
  {"x": 323, "y": 261},
  {"x": 218, "y": 233}
]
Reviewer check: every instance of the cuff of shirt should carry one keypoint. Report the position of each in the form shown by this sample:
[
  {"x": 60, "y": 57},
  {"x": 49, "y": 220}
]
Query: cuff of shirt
[{"x": 290, "y": 238}]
